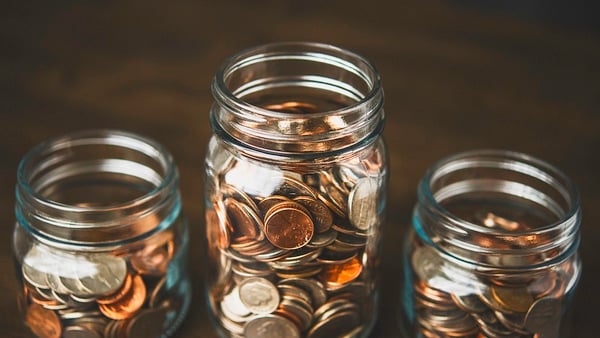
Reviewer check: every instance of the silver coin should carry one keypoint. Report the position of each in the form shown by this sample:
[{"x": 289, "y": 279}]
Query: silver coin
[
  {"x": 362, "y": 206},
  {"x": 336, "y": 325},
  {"x": 107, "y": 276},
  {"x": 271, "y": 326},
  {"x": 80, "y": 331},
  {"x": 313, "y": 286},
  {"x": 259, "y": 295}
]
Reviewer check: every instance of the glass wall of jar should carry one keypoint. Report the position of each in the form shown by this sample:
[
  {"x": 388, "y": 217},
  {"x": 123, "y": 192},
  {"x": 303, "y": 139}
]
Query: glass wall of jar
[
  {"x": 295, "y": 193},
  {"x": 492, "y": 251},
  {"x": 100, "y": 242}
]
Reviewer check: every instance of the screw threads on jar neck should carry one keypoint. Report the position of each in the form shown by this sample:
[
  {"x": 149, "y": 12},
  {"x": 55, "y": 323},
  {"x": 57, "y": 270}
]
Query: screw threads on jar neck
[
  {"x": 498, "y": 209},
  {"x": 297, "y": 99},
  {"x": 97, "y": 187}
]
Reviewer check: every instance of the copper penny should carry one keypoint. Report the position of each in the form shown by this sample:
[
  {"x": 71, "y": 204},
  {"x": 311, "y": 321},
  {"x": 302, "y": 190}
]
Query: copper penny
[
  {"x": 242, "y": 219},
  {"x": 43, "y": 323},
  {"x": 340, "y": 274},
  {"x": 127, "y": 305},
  {"x": 269, "y": 202},
  {"x": 153, "y": 259},
  {"x": 289, "y": 228},
  {"x": 322, "y": 217}
]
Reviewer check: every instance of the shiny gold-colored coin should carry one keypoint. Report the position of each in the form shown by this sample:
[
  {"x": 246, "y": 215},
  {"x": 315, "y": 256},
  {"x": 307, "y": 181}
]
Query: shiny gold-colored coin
[
  {"x": 339, "y": 274},
  {"x": 43, "y": 323},
  {"x": 129, "y": 303},
  {"x": 289, "y": 228},
  {"x": 512, "y": 299}
]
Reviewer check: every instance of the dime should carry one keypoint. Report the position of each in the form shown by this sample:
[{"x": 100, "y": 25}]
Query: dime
[
  {"x": 272, "y": 326},
  {"x": 127, "y": 305},
  {"x": 313, "y": 286},
  {"x": 362, "y": 207},
  {"x": 259, "y": 295},
  {"x": 43, "y": 322},
  {"x": 289, "y": 228}
]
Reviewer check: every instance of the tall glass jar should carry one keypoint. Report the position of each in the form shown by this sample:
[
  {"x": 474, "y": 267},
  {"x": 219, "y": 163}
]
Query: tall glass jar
[
  {"x": 492, "y": 251},
  {"x": 100, "y": 242},
  {"x": 295, "y": 193}
]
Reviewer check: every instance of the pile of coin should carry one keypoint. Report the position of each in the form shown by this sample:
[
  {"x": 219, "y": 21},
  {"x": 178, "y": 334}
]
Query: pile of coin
[
  {"x": 451, "y": 302},
  {"x": 98, "y": 295},
  {"x": 292, "y": 263}
]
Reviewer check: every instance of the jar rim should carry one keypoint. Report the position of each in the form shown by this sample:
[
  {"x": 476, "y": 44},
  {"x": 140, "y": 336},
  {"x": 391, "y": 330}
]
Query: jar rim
[
  {"x": 455, "y": 235},
  {"x": 325, "y": 53},
  {"x": 70, "y": 223},
  {"x": 283, "y": 132}
]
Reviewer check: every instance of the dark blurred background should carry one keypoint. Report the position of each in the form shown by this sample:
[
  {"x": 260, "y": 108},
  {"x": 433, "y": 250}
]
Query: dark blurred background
[{"x": 458, "y": 75}]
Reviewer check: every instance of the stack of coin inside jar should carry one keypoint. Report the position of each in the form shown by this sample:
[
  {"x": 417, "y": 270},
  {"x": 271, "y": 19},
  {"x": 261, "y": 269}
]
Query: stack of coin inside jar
[
  {"x": 114, "y": 294},
  {"x": 291, "y": 256}
]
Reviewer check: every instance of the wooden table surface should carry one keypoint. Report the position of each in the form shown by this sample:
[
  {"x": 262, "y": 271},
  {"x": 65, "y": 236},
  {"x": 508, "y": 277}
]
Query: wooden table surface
[{"x": 457, "y": 76}]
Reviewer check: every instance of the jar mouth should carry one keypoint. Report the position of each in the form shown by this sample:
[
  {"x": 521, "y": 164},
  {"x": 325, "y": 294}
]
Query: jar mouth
[
  {"x": 498, "y": 207},
  {"x": 297, "y": 97},
  {"x": 95, "y": 186}
]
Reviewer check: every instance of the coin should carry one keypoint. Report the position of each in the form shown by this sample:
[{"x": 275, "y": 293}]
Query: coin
[
  {"x": 81, "y": 331},
  {"x": 147, "y": 323},
  {"x": 512, "y": 299},
  {"x": 242, "y": 220},
  {"x": 544, "y": 316},
  {"x": 122, "y": 292},
  {"x": 272, "y": 326},
  {"x": 259, "y": 295},
  {"x": 153, "y": 259},
  {"x": 362, "y": 207},
  {"x": 338, "y": 324},
  {"x": 43, "y": 322},
  {"x": 313, "y": 286},
  {"x": 322, "y": 217},
  {"x": 105, "y": 275},
  {"x": 339, "y": 274},
  {"x": 127, "y": 305},
  {"x": 289, "y": 228},
  {"x": 268, "y": 202}
]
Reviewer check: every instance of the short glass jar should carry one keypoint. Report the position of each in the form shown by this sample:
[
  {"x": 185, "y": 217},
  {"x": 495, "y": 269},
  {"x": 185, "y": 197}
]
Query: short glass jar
[
  {"x": 100, "y": 242},
  {"x": 295, "y": 193},
  {"x": 492, "y": 251}
]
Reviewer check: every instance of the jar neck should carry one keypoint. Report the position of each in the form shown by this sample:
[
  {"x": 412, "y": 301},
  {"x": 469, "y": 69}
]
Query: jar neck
[
  {"x": 96, "y": 188},
  {"x": 297, "y": 99},
  {"x": 498, "y": 209}
]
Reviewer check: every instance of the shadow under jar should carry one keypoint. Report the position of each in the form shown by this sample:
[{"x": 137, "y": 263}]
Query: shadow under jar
[
  {"x": 492, "y": 251},
  {"x": 100, "y": 241},
  {"x": 295, "y": 193}
]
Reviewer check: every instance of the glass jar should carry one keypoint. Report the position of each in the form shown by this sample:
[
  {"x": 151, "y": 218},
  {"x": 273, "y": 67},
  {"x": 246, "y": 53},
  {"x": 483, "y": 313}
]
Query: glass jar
[
  {"x": 100, "y": 243},
  {"x": 492, "y": 251},
  {"x": 295, "y": 193}
]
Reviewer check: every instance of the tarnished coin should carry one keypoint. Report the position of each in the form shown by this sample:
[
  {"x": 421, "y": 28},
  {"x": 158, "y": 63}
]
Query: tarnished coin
[
  {"x": 259, "y": 295},
  {"x": 147, "y": 323},
  {"x": 323, "y": 219},
  {"x": 543, "y": 318},
  {"x": 81, "y": 331},
  {"x": 127, "y": 305},
  {"x": 289, "y": 228},
  {"x": 515, "y": 299},
  {"x": 293, "y": 187},
  {"x": 338, "y": 324},
  {"x": 362, "y": 206},
  {"x": 43, "y": 322},
  {"x": 272, "y": 326},
  {"x": 153, "y": 259}
]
